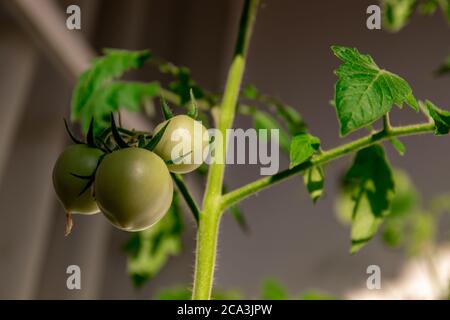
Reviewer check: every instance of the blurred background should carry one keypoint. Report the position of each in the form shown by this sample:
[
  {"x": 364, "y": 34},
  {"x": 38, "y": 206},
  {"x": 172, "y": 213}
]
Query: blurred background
[{"x": 301, "y": 245}]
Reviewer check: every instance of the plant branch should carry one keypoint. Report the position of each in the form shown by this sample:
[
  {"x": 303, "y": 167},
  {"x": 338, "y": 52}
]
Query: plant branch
[
  {"x": 181, "y": 185},
  {"x": 245, "y": 191},
  {"x": 210, "y": 216}
]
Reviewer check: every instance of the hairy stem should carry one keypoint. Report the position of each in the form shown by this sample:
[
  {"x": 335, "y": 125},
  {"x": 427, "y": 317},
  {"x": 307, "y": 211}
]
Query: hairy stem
[
  {"x": 210, "y": 216},
  {"x": 243, "y": 192}
]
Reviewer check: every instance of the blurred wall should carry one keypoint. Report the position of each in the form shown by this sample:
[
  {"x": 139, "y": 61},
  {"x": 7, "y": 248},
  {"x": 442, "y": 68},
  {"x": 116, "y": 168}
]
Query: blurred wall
[{"x": 291, "y": 240}]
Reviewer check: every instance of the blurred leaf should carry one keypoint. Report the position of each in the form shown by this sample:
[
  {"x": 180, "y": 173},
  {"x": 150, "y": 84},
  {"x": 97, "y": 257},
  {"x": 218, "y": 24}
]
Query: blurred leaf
[
  {"x": 445, "y": 6},
  {"x": 371, "y": 185},
  {"x": 423, "y": 230},
  {"x": 314, "y": 181},
  {"x": 174, "y": 294},
  {"x": 444, "y": 68},
  {"x": 263, "y": 120},
  {"x": 250, "y": 92},
  {"x": 440, "y": 117},
  {"x": 303, "y": 147},
  {"x": 398, "y": 145},
  {"x": 428, "y": 7},
  {"x": 273, "y": 290},
  {"x": 316, "y": 295},
  {"x": 396, "y": 13},
  {"x": 237, "y": 214},
  {"x": 186, "y": 294},
  {"x": 285, "y": 113},
  {"x": 183, "y": 84},
  {"x": 103, "y": 70},
  {"x": 149, "y": 250},
  {"x": 110, "y": 97},
  {"x": 364, "y": 92}
]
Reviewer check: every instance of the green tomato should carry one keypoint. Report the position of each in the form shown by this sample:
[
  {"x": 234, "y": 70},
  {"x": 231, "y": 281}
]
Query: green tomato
[
  {"x": 186, "y": 140},
  {"x": 133, "y": 188},
  {"x": 81, "y": 160}
]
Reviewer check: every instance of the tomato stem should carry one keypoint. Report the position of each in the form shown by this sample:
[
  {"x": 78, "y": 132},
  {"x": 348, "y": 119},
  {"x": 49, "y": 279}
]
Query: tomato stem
[
  {"x": 210, "y": 216},
  {"x": 252, "y": 188}
]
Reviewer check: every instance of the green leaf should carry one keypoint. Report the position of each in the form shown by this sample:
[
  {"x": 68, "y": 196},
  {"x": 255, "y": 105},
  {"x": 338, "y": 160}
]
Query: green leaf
[
  {"x": 316, "y": 295},
  {"x": 364, "y": 92},
  {"x": 398, "y": 145},
  {"x": 263, "y": 120},
  {"x": 250, "y": 92},
  {"x": 440, "y": 117},
  {"x": 314, "y": 181},
  {"x": 422, "y": 232},
  {"x": 284, "y": 112},
  {"x": 149, "y": 250},
  {"x": 238, "y": 215},
  {"x": 371, "y": 185},
  {"x": 272, "y": 290},
  {"x": 396, "y": 13},
  {"x": 428, "y": 7},
  {"x": 110, "y": 97},
  {"x": 445, "y": 6},
  {"x": 303, "y": 147},
  {"x": 103, "y": 70},
  {"x": 444, "y": 68},
  {"x": 183, "y": 83},
  {"x": 182, "y": 293}
]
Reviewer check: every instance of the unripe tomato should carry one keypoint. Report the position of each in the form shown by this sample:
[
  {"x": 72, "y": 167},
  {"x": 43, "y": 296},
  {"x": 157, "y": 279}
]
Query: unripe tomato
[
  {"x": 186, "y": 137},
  {"x": 81, "y": 160},
  {"x": 133, "y": 188}
]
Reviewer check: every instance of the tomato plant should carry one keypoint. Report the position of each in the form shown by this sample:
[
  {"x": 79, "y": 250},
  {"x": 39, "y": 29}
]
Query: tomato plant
[{"x": 133, "y": 186}]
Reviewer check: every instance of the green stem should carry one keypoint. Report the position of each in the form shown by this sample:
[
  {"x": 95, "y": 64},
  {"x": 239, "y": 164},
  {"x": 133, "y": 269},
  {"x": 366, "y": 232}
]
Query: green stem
[
  {"x": 210, "y": 216},
  {"x": 181, "y": 185},
  {"x": 243, "y": 192}
]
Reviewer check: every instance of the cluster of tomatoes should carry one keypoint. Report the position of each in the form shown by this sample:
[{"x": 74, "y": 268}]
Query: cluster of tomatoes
[{"x": 125, "y": 174}]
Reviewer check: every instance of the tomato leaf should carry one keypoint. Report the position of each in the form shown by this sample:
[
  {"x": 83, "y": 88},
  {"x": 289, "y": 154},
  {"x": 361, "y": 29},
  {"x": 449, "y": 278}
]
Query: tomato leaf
[
  {"x": 251, "y": 92},
  {"x": 371, "y": 186},
  {"x": 364, "y": 92},
  {"x": 273, "y": 290},
  {"x": 440, "y": 117},
  {"x": 183, "y": 83},
  {"x": 314, "y": 179},
  {"x": 111, "y": 96},
  {"x": 396, "y": 13},
  {"x": 303, "y": 147},
  {"x": 103, "y": 70},
  {"x": 149, "y": 250},
  {"x": 398, "y": 145},
  {"x": 238, "y": 215},
  {"x": 285, "y": 113},
  {"x": 263, "y": 120}
]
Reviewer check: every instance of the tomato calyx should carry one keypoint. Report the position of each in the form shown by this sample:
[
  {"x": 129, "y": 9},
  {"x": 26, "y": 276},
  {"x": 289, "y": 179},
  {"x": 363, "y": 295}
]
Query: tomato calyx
[{"x": 156, "y": 138}]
